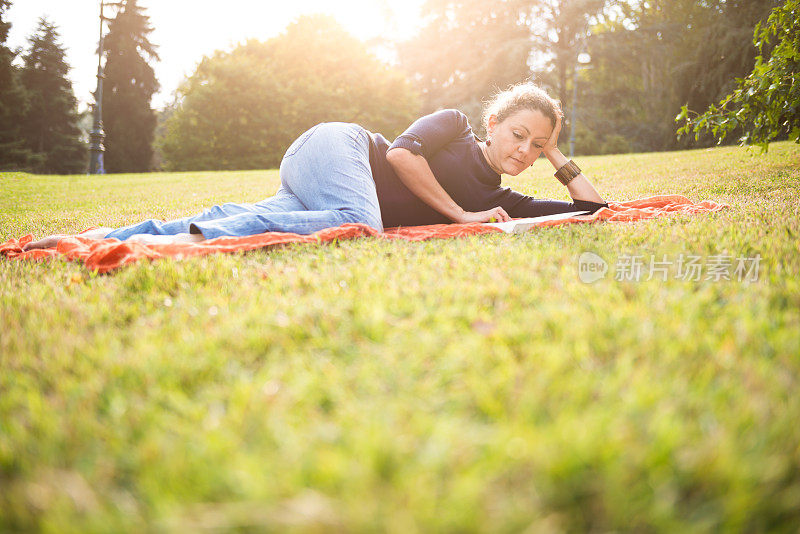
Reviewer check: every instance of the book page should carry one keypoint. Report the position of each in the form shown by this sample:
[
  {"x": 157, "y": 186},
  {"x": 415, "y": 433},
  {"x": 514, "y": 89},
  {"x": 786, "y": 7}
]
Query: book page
[{"x": 520, "y": 225}]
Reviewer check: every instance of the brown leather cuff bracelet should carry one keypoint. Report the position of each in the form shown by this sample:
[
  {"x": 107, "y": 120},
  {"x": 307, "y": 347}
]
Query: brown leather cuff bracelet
[{"x": 567, "y": 172}]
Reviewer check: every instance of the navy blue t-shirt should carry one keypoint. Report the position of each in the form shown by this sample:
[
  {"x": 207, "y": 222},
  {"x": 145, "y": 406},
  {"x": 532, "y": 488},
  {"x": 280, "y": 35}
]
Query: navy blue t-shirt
[{"x": 446, "y": 141}]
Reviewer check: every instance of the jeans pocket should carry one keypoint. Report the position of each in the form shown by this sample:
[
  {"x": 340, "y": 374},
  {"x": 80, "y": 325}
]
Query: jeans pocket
[{"x": 300, "y": 141}]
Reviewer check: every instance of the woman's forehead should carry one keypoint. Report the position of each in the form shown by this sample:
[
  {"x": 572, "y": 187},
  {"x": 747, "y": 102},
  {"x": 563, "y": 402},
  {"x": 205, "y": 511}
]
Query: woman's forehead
[{"x": 534, "y": 121}]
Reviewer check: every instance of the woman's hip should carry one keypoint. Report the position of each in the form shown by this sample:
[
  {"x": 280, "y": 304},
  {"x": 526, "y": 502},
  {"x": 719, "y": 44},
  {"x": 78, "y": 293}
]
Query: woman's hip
[
  {"x": 328, "y": 139},
  {"x": 327, "y": 155},
  {"x": 328, "y": 168}
]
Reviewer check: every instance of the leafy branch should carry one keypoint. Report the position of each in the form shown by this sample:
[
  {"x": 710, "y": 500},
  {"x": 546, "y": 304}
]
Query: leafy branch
[{"x": 766, "y": 103}]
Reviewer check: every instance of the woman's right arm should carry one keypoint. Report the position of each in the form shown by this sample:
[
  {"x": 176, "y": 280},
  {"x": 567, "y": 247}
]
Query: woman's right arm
[{"x": 415, "y": 173}]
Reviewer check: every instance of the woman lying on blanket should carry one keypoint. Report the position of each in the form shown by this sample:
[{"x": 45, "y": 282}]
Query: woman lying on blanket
[{"x": 437, "y": 171}]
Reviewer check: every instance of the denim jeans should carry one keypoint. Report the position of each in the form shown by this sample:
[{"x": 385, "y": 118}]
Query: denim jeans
[{"x": 326, "y": 181}]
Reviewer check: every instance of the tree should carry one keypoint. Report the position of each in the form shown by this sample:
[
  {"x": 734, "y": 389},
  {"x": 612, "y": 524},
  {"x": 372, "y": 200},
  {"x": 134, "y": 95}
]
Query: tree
[
  {"x": 766, "y": 103},
  {"x": 470, "y": 48},
  {"x": 13, "y": 104},
  {"x": 635, "y": 55},
  {"x": 718, "y": 43},
  {"x": 242, "y": 109},
  {"x": 50, "y": 124},
  {"x": 564, "y": 29},
  {"x": 129, "y": 85},
  {"x": 649, "y": 57},
  {"x": 466, "y": 50}
]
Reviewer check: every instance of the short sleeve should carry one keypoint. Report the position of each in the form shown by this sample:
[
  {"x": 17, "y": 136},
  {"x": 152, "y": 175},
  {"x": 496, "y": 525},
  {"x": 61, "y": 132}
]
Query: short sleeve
[{"x": 428, "y": 134}]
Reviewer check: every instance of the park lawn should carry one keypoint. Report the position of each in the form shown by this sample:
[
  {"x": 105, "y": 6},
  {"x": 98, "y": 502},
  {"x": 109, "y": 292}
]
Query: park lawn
[{"x": 461, "y": 385}]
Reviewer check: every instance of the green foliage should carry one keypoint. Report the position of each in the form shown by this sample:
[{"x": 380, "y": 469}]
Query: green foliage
[
  {"x": 50, "y": 123},
  {"x": 129, "y": 85},
  {"x": 452, "y": 385},
  {"x": 13, "y": 105},
  {"x": 469, "y": 49},
  {"x": 465, "y": 52},
  {"x": 242, "y": 109},
  {"x": 560, "y": 32},
  {"x": 648, "y": 58},
  {"x": 766, "y": 103},
  {"x": 615, "y": 144}
]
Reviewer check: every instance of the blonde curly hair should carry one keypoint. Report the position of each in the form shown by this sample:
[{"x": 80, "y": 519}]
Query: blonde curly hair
[{"x": 526, "y": 95}]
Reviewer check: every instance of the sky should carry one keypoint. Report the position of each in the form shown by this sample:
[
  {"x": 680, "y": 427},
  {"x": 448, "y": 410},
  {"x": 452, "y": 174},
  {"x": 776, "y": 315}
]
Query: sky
[{"x": 187, "y": 30}]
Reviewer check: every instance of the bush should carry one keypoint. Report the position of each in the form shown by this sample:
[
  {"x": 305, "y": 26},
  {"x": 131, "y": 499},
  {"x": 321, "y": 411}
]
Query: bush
[{"x": 615, "y": 144}]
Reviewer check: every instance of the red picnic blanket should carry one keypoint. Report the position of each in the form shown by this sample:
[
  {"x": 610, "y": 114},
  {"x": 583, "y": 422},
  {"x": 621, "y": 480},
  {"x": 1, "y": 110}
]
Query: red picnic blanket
[{"x": 103, "y": 255}]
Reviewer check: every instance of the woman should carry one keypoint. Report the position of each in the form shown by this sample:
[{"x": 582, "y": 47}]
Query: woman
[{"x": 437, "y": 171}]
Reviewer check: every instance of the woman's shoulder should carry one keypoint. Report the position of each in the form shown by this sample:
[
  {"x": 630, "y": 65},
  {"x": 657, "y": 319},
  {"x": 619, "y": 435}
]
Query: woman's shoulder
[
  {"x": 451, "y": 120},
  {"x": 450, "y": 113}
]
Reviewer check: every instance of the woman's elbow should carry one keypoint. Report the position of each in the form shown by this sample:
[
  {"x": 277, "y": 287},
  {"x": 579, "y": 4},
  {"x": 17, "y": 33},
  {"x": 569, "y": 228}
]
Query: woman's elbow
[{"x": 397, "y": 155}]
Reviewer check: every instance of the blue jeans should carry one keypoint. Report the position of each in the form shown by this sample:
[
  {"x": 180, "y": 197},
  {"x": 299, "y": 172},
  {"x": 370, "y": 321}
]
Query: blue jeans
[{"x": 326, "y": 181}]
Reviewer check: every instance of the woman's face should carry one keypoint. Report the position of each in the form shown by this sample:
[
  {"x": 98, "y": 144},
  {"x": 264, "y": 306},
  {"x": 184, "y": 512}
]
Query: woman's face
[{"x": 517, "y": 141}]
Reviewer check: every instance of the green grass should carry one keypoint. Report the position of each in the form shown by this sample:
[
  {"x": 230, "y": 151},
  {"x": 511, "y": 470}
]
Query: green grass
[{"x": 451, "y": 385}]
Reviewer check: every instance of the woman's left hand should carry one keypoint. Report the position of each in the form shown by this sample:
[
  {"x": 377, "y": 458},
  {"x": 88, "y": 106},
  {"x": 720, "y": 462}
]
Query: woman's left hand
[{"x": 552, "y": 143}]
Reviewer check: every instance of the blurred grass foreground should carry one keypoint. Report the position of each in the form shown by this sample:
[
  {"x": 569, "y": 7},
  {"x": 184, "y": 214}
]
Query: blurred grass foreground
[{"x": 465, "y": 385}]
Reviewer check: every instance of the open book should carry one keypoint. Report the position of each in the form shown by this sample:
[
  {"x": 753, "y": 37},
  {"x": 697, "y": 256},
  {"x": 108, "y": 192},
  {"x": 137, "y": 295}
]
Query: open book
[{"x": 520, "y": 225}]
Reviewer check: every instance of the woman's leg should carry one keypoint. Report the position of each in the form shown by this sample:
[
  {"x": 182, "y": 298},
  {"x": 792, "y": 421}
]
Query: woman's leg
[
  {"x": 179, "y": 226},
  {"x": 326, "y": 174},
  {"x": 280, "y": 202},
  {"x": 155, "y": 231},
  {"x": 151, "y": 239},
  {"x": 326, "y": 181},
  {"x": 158, "y": 231},
  {"x": 53, "y": 240}
]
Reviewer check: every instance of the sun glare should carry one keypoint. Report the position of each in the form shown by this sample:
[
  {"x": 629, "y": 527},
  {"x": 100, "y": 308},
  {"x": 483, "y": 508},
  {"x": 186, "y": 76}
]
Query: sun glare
[{"x": 186, "y": 30}]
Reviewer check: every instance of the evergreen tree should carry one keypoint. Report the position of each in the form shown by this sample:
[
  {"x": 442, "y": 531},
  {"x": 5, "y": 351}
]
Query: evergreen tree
[
  {"x": 13, "y": 103},
  {"x": 130, "y": 82},
  {"x": 50, "y": 126}
]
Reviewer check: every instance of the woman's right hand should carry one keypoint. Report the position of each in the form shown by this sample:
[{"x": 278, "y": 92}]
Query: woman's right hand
[{"x": 498, "y": 213}]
